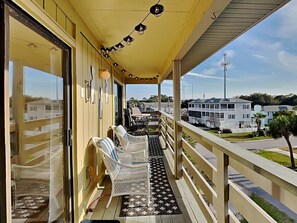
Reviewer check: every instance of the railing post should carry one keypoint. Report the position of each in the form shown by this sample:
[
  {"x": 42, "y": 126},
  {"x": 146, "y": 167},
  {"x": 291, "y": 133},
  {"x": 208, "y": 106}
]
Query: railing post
[
  {"x": 222, "y": 189},
  {"x": 166, "y": 132},
  {"x": 159, "y": 97},
  {"x": 177, "y": 117}
]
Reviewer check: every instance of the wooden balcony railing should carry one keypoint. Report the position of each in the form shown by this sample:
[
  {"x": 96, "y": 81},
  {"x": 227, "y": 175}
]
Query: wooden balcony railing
[
  {"x": 214, "y": 191},
  {"x": 35, "y": 138}
]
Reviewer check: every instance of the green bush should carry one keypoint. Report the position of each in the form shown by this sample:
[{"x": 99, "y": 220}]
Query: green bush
[{"x": 226, "y": 131}]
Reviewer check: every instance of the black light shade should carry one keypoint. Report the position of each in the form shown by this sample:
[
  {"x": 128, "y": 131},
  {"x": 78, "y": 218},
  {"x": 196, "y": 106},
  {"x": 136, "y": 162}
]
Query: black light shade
[
  {"x": 106, "y": 55},
  {"x": 119, "y": 46},
  {"x": 157, "y": 9},
  {"x": 102, "y": 49},
  {"x": 123, "y": 70},
  {"x": 130, "y": 75},
  {"x": 128, "y": 39},
  {"x": 142, "y": 79},
  {"x": 115, "y": 64},
  {"x": 136, "y": 78},
  {"x": 113, "y": 49},
  {"x": 140, "y": 28}
]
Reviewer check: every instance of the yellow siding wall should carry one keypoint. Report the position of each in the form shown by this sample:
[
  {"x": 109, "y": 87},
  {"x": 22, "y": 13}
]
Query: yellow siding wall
[{"x": 86, "y": 122}]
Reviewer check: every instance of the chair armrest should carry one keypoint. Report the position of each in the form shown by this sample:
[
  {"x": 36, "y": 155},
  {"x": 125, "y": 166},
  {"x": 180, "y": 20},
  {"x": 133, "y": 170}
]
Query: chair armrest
[
  {"x": 131, "y": 166},
  {"x": 135, "y": 139}
]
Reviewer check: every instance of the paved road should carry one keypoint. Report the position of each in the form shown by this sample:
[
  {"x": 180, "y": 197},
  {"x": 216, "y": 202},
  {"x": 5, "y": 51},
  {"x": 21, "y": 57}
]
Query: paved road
[{"x": 266, "y": 143}]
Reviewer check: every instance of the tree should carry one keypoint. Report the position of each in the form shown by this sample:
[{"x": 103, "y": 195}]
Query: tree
[
  {"x": 258, "y": 119},
  {"x": 133, "y": 102},
  {"x": 284, "y": 123}
]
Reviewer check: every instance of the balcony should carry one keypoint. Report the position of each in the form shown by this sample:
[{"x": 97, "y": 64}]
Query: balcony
[
  {"x": 70, "y": 47},
  {"x": 206, "y": 176}
]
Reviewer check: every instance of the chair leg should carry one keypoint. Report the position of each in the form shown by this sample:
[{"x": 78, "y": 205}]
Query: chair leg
[
  {"x": 148, "y": 192},
  {"x": 108, "y": 203}
]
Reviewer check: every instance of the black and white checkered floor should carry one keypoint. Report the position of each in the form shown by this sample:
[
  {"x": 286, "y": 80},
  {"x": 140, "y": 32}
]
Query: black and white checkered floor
[{"x": 163, "y": 201}]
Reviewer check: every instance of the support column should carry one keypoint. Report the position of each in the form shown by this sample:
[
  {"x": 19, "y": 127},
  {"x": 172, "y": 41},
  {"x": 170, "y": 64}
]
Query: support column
[
  {"x": 159, "y": 97},
  {"x": 177, "y": 117}
]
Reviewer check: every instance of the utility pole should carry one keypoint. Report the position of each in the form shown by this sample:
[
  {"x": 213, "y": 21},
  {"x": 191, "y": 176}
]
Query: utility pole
[{"x": 225, "y": 63}]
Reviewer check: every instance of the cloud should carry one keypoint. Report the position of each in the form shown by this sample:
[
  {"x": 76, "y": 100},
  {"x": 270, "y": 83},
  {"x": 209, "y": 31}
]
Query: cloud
[
  {"x": 203, "y": 76},
  {"x": 289, "y": 61},
  {"x": 288, "y": 18},
  {"x": 230, "y": 53},
  {"x": 211, "y": 71},
  {"x": 259, "y": 56}
]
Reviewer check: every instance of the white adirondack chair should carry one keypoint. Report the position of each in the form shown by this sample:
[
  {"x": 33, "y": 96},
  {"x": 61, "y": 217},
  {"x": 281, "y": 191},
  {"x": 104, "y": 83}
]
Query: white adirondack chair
[
  {"x": 126, "y": 179},
  {"x": 130, "y": 143}
]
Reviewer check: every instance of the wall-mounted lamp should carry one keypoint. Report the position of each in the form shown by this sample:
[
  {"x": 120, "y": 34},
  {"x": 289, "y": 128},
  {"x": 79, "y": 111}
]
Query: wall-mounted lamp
[{"x": 105, "y": 75}]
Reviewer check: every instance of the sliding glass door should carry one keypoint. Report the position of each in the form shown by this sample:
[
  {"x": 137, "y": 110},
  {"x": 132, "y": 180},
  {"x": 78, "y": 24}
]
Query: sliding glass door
[{"x": 38, "y": 100}]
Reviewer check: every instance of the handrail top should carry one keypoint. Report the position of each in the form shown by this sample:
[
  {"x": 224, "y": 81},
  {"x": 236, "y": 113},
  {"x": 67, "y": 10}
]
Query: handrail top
[{"x": 167, "y": 115}]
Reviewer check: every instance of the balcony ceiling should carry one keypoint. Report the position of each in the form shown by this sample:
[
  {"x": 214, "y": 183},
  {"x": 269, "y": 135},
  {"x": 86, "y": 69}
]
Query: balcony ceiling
[{"x": 184, "y": 31}]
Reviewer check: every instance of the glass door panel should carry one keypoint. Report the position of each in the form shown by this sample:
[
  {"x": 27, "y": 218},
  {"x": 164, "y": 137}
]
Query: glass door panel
[{"x": 36, "y": 98}]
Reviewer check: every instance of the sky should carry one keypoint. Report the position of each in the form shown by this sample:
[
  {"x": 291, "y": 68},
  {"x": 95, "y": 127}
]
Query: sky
[
  {"x": 39, "y": 84},
  {"x": 264, "y": 59}
]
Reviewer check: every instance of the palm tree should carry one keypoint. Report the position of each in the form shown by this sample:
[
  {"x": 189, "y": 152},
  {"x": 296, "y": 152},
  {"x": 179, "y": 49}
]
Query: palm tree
[
  {"x": 258, "y": 119},
  {"x": 284, "y": 124}
]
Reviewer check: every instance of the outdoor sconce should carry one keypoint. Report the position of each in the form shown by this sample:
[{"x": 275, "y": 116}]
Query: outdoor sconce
[
  {"x": 105, "y": 75},
  {"x": 89, "y": 87}
]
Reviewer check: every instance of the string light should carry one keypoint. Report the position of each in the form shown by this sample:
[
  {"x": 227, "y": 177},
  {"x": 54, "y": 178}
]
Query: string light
[{"x": 155, "y": 10}]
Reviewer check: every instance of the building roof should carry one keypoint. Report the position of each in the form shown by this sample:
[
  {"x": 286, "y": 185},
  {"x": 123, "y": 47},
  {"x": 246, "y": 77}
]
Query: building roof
[
  {"x": 273, "y": 108},
  {"x": 44, "y": 102},
  {"x": 220, "y": 100}
]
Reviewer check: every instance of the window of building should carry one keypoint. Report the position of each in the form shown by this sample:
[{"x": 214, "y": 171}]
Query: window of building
[
  {"x": 207, "y": 105},
  {"x": 231, "y": 116},
  {"x": 203, "y": 105},
  {"x": 199, "y": 106},
  {"x": 211, "y": 106},
  {"x": 207, "y": 114},
  {"x": 47, "y": 107},
  {"x": 231, "y": 106},
  {"x": 223, "y": 106},
  {"x": 203, "y": 114},
  {"x": 216, "y": 106},
  {"x": 246, "y": 106},
  {"x": 33, "y": 108},
  {"x": 222, "y": 115},
  {"x": 196, "y": 114}
]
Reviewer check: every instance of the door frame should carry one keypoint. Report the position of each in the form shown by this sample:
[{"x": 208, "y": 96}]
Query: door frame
[
  {"x": 8, "y": 8},
  {"x": 120, "y": 99}
]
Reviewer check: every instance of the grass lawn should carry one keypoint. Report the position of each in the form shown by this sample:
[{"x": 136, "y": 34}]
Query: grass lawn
[
  {"x": 276, "y": 214},
  {"x": 237, "y": 137},
  {"x": 276, "y": 157}
]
